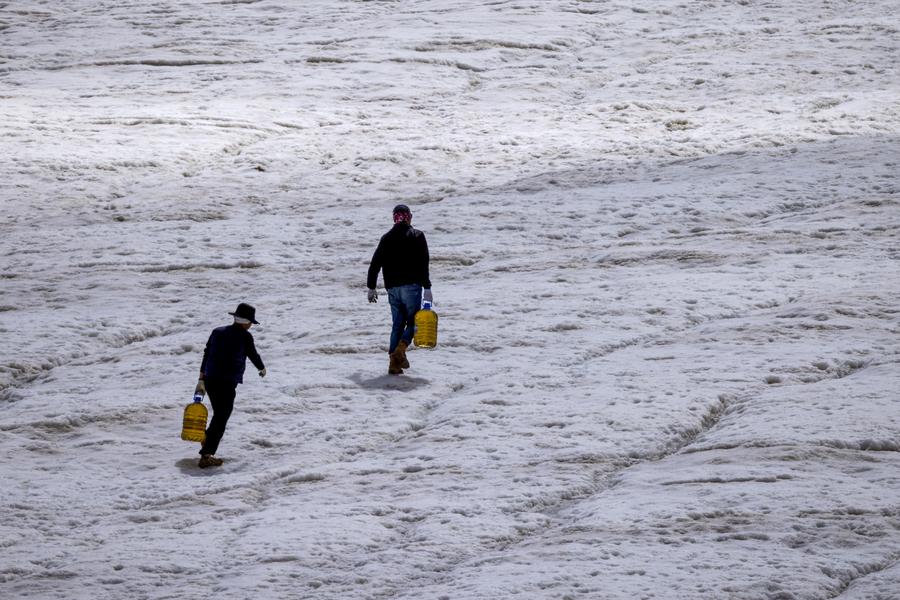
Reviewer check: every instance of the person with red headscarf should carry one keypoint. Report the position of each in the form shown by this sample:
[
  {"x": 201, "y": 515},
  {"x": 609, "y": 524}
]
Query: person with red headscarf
[{"x": 402, "y": 257}]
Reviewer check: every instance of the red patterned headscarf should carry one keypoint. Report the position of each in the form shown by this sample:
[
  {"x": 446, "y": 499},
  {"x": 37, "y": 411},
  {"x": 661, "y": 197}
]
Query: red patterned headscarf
[{"x": 402, "y": 214}]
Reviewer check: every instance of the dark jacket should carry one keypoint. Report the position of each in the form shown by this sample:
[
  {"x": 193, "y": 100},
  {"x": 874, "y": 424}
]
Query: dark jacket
[
  {"x": 402, "y": 255},
  {"x": 226, "y": 353}
]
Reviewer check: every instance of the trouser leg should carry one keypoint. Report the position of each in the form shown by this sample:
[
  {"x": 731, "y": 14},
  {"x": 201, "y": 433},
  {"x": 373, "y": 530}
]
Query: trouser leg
[
  {"x": 405, "y": 301},
  {"x": 398, "y": 318},
  {"x": 221, "y": 397},
  {"x": 412, "y": 299}
]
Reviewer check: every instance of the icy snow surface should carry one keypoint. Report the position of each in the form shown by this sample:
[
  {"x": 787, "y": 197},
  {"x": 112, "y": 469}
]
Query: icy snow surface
[{"x": 665, "y": 258}]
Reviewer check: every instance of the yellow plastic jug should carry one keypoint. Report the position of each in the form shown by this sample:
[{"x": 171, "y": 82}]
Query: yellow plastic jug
[
  {"x": 426, "y": 327},
  {"x": 195, "y": 414}
]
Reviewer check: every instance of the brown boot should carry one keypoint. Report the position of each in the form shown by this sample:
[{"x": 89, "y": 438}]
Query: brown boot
[
  {"x": 208, "y": 460},
  {"x": 394, "y": 365},
  {"x": 401, "y": 353}
]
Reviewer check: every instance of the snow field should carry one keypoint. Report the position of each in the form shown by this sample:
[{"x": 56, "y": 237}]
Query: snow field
[{"x": 664, "y": 256}]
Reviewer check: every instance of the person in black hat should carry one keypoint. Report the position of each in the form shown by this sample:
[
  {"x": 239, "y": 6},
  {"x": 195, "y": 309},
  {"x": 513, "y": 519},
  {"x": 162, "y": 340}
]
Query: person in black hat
[
  {"x": 224, "y": 360},
  {"x": 402, "y": 256}
]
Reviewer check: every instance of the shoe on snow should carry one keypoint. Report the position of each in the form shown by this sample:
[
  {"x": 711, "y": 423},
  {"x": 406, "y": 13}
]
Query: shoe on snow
[
  {"x": 394, "y": 367},
  {"x": 401, "y": 355},
  {"x": 208, "y": 460}
]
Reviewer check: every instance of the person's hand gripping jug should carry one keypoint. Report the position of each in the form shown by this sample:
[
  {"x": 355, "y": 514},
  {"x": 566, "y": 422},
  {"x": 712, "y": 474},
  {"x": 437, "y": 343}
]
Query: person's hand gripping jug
[
  {"x": 195, "y": 414},
  {"x": 426, "y": 327}
]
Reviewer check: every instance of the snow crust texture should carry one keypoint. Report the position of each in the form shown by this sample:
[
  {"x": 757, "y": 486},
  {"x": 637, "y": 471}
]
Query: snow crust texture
[{"x": 665, "y": 257}]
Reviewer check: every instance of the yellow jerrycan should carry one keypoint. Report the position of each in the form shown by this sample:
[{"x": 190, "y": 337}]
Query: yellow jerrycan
[
  {"x": 194, "y": 428},
  {"x": 426, "y": 327}
]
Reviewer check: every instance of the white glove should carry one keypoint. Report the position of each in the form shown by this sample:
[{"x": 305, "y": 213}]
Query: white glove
[
  {"x": 373, "y": 295},
  {"x": 262, "y": 372},
  {"x": 427, "y": 297},
  {"x": 201, "y": 388}
]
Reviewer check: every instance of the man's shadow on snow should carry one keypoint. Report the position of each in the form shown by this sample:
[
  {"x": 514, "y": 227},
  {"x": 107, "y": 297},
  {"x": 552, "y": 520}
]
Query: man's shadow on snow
[{"x": 403, "y": 383}]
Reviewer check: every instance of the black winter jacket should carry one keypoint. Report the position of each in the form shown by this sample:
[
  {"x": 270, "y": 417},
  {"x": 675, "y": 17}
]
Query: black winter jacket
[
  {"x": 226, "y": 353},
  {"x": 402, "y": 255}
]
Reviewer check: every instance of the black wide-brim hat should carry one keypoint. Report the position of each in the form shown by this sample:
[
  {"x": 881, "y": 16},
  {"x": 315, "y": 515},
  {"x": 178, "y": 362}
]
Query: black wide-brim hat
[{"x": 245, "y": 311}]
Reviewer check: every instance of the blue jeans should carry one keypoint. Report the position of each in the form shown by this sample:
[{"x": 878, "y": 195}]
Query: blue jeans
[{"x": 405, "y": 301}]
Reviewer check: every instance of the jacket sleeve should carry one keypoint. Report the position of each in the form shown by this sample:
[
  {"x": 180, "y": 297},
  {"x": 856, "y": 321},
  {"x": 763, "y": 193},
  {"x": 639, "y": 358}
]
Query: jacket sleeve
[
  {"x": 253, "y": 355},
  {"x": 375, "y": 266},
  {"x": 426, "y": 277},
  {"x": 209, "y": 344}
]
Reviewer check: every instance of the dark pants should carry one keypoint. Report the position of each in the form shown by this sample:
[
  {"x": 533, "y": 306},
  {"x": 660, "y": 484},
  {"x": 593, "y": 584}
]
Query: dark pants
[{"x": 221, "y": 397}]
